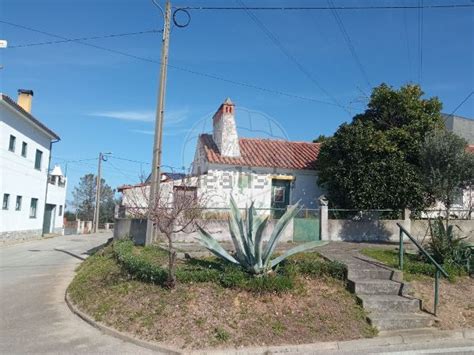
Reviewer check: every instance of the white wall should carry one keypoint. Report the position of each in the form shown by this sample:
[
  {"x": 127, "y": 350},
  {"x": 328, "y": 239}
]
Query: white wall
[
  {"x": 57, "y": 196},
  {"x": 18, "y": 177}
]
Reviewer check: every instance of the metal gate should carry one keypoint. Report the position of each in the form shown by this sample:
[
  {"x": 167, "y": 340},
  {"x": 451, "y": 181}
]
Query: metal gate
[{"x": 306, "y": 226}]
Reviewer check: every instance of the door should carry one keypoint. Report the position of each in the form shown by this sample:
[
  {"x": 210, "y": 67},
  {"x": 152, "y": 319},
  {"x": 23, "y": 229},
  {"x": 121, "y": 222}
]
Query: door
[
  {"x": 48, "y": 218},
  {"x": 280, "y": 197}
]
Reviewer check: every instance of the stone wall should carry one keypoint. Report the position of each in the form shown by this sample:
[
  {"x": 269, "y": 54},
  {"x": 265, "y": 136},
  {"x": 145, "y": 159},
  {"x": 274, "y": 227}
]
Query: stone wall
[
  {"x": 19, "y": 236},
  {"x": 420, "y": 228}
]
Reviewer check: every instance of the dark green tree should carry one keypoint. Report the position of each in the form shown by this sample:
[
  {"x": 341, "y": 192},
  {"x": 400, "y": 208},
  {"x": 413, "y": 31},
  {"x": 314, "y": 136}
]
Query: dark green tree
[
  {"x": 84, "y": 199},
  {"x": 321, "y": 139},
  {"x": 374, "y": 161}
]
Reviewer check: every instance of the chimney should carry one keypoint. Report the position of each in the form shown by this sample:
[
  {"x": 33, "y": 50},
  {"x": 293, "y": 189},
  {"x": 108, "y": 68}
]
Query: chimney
[
  {"x": 224, "y": 130},
  {"x": 24, "y": 99}
]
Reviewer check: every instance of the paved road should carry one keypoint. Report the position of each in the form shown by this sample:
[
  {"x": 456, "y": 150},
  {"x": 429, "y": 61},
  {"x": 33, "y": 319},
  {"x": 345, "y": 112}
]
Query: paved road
[
  {"x": 33, "y": 315},
  {"x": 35, "y": 319}
]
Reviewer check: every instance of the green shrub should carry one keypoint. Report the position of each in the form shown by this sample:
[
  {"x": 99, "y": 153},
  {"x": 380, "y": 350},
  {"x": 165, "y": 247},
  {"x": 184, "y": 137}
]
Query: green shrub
[
  {"x": 145, "y": 264},
  {"x": 448, "y": 248},
  {"x": 136, "y": 265}
]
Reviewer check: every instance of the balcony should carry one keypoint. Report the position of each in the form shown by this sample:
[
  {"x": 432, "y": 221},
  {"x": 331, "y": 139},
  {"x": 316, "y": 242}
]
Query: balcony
[{"x": 59, "y": 181}]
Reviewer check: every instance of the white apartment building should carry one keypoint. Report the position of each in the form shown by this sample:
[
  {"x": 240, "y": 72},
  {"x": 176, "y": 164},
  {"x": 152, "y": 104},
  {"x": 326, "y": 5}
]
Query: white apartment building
[{"x": 32, "y": 198}]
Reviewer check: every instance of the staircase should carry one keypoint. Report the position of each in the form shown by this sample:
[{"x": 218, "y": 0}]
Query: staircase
[{"x": 379, "y": 289}]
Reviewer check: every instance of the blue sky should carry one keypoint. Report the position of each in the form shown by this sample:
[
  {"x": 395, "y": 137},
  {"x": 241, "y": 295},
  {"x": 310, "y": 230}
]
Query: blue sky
[{"x": 100, "y": 101}]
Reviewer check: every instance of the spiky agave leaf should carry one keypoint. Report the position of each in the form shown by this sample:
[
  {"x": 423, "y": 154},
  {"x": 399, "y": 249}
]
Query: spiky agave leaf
[
  {"x": 240, "y": 251},
  {"x": 213, "y": 246},
  {"x": 277, "y": 232},
  {"x": 259, "y": 225},
  {"x": 238, "y": 222},
  {"x": 297, "y": 249}
]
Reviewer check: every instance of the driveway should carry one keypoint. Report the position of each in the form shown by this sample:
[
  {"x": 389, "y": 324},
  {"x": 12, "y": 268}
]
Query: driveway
[{"x": 33, "y": 315}]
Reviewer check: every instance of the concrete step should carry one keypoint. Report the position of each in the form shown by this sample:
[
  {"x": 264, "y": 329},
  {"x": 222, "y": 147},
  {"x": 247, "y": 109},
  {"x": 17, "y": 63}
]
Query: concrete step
[
  {"x": 374, "y": 273},
  {"x": 391, "y": 303},
  {"x": 375, "y": 287},
  {"x": 395, "y": 321}
]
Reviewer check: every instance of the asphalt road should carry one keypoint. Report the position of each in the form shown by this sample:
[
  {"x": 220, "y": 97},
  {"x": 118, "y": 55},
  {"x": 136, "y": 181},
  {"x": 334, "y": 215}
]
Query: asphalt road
[
  {"x": 33, "y": 315},
  {"x": 34, "y": 318}
]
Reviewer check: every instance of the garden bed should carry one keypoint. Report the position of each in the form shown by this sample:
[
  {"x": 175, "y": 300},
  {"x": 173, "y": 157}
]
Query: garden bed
[{"x": 217, "y": 305}]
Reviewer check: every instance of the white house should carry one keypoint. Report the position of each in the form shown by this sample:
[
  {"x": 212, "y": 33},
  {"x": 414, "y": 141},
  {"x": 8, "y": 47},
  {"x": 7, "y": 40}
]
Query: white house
[
  {"x": 32, "y": 199},
  {"x": 272, "y": 173}
]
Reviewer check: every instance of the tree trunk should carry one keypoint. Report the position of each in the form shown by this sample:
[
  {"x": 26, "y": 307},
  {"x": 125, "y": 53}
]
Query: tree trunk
[{"x": 171, "y": 282}]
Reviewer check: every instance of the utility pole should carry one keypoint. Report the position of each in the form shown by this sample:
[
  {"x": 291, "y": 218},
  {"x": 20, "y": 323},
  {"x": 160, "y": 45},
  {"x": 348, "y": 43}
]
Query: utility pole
[
  {"x": 97, "y": 194},
  {"x": 156, "y": 169}
]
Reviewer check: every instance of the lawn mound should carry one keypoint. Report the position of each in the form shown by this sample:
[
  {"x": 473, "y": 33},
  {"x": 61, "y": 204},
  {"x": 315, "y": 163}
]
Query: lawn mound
[{"x": 214, "y": 304}]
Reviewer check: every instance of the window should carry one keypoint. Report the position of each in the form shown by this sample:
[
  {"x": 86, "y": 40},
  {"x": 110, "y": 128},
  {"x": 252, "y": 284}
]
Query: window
[
  {"x": 11, "y": 146},
  {"x": 6, "y": 200},
  {"x": 24, "y": 149},
  {"x": 279, "y": 194},
  {"x": 33, "y": 206},
  {"x": 18, "y": 203},
  {"x": 39, "y": 156},
  {"x": 60, "y": 210}
]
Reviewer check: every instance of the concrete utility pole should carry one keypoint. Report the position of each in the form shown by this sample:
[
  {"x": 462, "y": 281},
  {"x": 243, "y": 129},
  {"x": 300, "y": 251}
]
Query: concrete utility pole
[
  {"x": 97, "y": 194},
  {"x": 156, "y": 168}
]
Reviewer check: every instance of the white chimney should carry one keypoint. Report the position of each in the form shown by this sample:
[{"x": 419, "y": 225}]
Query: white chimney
[{"x": 225, "y": 131}]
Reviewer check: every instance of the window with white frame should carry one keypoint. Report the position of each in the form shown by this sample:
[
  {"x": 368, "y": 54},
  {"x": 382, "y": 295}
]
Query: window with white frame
[
  {"x": 11, "y": 145},
  {"x": 18, "y": 203},
  {"x": 33, "y": 207},
  {"x": 6, "y": 201}
]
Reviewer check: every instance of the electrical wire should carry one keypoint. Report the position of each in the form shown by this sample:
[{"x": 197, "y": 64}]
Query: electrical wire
[
  {"x": 305, "y": 8},
  {"x": 113, "y": 35},
  {"x": 462, "y": 103},
  {"x": 290, "y": 56},
  {"x": 190, "y": 71},
  {"x": 348, "y": 40}
]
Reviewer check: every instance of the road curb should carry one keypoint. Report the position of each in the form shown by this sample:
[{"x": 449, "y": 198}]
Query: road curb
[
  {"x": 358, "y": 344},
  {"x": 117, "y": 334}
]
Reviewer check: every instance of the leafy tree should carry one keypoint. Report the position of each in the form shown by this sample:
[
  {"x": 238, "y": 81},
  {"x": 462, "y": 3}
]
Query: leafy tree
[
  {"x": 374, "y": 161},
  {"x": 69, "y": 216},
  {"x": 84, "y": 199},
  {"x": 321, "y": 139},
  {"x": 446, "y": 166}
]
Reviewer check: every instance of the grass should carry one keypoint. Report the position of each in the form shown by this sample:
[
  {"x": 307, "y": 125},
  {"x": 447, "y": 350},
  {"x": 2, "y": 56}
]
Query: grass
[
  {"x": 414, "y": 267},
  {"x": 148, "y": 264},
  {"x": 226, "y": 310}
]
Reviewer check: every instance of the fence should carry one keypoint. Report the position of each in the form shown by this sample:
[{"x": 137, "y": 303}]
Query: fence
[{"x": 321, "y": 224}]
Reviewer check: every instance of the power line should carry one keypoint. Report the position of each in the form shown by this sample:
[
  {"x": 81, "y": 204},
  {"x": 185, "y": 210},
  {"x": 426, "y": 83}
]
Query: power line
[
  {"x": 305, "y": 8},
  {"x": 462, "y": 103},
  {"x": 347, "y": 38},
  {"x": 420, "y": 40},
  {"x": 113, "y": 35},
  {"x": 291, "y": 57},
  {"x": 407, "y": 37},
  {"x": 206, "y": 75}
]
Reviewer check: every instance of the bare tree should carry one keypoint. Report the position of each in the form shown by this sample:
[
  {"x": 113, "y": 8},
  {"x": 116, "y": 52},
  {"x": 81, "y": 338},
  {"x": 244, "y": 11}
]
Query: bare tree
[{"x": 176, "y": 209}]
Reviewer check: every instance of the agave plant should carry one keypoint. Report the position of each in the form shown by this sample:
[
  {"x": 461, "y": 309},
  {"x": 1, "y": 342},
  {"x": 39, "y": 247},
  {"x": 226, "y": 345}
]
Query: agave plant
[{"x": 247, "y": 237}]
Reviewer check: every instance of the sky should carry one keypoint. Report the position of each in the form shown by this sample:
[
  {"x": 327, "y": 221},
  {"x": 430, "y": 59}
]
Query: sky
[{"x": 291, "y": 74}]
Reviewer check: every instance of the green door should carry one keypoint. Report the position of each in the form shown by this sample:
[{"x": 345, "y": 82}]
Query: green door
[{"x": 280, "y": 197}]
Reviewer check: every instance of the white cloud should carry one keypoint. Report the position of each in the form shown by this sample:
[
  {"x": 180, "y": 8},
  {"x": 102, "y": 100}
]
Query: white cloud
[
  {"x": 173, "y": 117},
  {"x": 144, "y": 116},
  {"x": 143, "y": 131}
]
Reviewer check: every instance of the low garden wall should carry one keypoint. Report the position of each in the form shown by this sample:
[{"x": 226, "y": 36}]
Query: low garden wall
[
  {"x": 219, "y": 229},
  {"x": 134, "y": 228},
  {"x": 420, "y": 228},
  {"x": 366, "y": 230}
]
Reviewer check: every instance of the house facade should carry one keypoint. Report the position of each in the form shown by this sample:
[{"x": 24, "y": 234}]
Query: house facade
[
  {"x": 271, "y": 173},
  {"x": 32, "y": 199}
]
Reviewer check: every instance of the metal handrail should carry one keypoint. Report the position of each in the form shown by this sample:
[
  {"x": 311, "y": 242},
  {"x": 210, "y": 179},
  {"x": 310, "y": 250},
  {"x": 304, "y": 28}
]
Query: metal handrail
[{"x": 439, "y": 268}]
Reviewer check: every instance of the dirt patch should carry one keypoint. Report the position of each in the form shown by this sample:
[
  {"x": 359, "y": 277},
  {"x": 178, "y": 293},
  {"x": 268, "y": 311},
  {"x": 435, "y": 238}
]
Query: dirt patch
[
  {"x": 204, "y": 315},
  {"x": 456, "y": 307}
]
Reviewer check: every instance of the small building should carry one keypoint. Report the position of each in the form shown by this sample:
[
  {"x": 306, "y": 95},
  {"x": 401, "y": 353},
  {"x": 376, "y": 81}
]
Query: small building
[
  {"x": 462, "y": 126},
  {"x": 271, "y": 173},
  {"x": 33, "y": 198}
]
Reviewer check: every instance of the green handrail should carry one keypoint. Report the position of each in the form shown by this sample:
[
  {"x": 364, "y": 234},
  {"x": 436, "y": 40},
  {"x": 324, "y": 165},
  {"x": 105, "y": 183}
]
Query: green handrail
[{"x": 439, "y": 269}]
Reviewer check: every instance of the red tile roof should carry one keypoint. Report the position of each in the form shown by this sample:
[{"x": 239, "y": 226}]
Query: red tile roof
[
  {"x": 266, "y": 153},
  {"x": 470, "y": 148}
]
